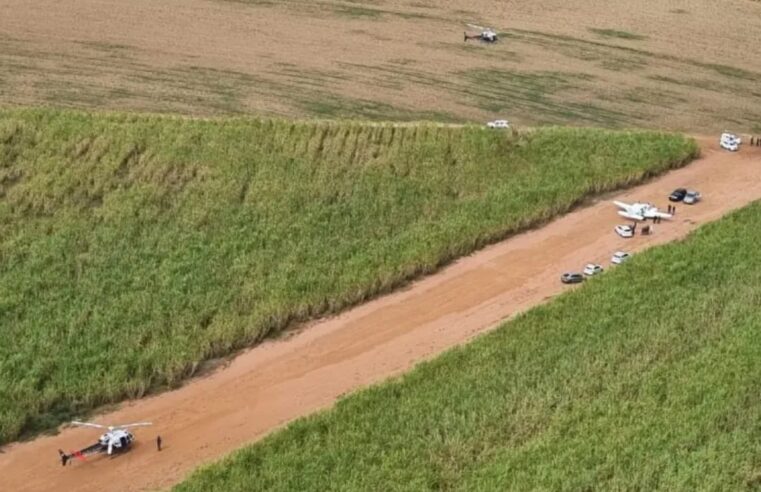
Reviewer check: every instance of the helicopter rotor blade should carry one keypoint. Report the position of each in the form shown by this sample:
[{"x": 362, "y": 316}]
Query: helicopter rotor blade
[
  {"x": 89, "y": 424},
  {"x": 138, "y": 424}
]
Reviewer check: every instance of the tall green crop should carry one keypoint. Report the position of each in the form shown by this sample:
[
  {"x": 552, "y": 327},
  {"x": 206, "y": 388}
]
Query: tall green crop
[
  {"x": 647, "y": 378},
  {"x": 133, "y": 247}
]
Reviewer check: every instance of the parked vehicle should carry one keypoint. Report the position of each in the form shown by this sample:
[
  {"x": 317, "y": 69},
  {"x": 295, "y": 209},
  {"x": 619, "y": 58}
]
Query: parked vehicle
[
  {"x": 692, "y": 197},
  {"x": 592, "y": 269},
  {"x": 498, "y": 124},
  {"x": 729, "y": 145},
  {"x": 730, "y": 141},
  {"x": 678, "y": 195},
  {"x": 571, "y": 278},
  {"x": 619, "y": 257},
  {"x": 624, "y": 230}
]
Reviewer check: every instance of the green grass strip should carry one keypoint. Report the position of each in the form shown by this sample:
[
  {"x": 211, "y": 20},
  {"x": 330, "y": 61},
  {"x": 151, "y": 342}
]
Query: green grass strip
[{"x": 134, "y": 247}]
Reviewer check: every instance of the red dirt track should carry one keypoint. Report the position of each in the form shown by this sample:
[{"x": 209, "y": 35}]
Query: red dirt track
[{"x": 284, "y": 379}]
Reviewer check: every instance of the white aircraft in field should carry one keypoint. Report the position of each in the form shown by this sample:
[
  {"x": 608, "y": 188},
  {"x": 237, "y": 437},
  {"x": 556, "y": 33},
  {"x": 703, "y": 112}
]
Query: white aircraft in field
[
  {"x": 487, "y": 34},
  {"x": 640, "y": 211}
]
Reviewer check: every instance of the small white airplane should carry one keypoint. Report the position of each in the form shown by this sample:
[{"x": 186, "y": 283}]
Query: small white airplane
[{"x": 640, "y": 211}]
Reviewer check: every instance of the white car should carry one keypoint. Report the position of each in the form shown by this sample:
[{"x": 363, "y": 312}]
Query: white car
[
  {"x": 730, "y": 141},
  {"x": 619, "y": 257},
  {"x": 592, "y": 269},
  {"x": 498, "y": 124},
  {"x": 624, "y": 230},
  {"x": 731, "y": 137},
  {"x": 730, "y": 146},
  {"x": 692, "y": 197}
]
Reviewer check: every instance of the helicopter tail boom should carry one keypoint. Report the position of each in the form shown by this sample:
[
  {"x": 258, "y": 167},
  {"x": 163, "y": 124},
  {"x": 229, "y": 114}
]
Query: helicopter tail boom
[{"x": 81, "y": 454}]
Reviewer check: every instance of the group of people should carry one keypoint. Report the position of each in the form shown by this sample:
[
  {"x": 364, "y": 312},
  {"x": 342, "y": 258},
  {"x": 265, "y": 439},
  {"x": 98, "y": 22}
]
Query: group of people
[
  {"x": 755, "y": 141},
  {"x": 645, "y": 229}
]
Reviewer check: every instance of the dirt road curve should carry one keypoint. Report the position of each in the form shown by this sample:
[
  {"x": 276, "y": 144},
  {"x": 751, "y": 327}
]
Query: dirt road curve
[{"x": 281, "y": 380}]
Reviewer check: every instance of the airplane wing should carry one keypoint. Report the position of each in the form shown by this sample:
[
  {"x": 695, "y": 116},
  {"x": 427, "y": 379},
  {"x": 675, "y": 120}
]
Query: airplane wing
[
  {"x": 629, "y": 215},
  {"x": 654, "y": 213},
  {"x": 622, "y": 205}
]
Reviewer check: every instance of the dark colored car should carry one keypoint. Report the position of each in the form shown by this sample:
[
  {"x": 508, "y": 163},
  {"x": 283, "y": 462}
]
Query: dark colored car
[
  {"x": 572, "y": 278},
  {"x": 678, "y": 195}
]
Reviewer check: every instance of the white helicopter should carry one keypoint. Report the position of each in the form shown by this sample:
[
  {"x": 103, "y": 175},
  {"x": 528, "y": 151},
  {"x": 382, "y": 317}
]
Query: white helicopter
[
  {"x": 116, "y": 439},
  {"x": 487, "y": 34},
  {"x": 640, "y": 211}
]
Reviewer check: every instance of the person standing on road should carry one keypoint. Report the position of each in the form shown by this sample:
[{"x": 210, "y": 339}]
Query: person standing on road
[{"x": 158, "y": 443}]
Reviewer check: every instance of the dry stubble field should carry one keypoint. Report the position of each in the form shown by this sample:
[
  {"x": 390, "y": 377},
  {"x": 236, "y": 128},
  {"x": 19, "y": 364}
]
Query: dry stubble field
[{"x": 681, "y": 65}]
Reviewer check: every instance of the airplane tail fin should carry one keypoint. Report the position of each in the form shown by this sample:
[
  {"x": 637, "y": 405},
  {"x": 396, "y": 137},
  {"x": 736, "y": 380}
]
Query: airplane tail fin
[{"x": 64, "y": 457}]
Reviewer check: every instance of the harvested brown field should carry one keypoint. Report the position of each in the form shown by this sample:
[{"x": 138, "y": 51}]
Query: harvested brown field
[{"x": 668, "y": 64}]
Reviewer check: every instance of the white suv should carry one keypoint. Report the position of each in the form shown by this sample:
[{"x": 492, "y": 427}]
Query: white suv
[
  {"x": 619, "y": 257},
  {"x": 730, "y": 141},
  {"x": 624, "y": 230},
  {"x": 592, "y": 269},
  {"x": 498, "y": 124}
]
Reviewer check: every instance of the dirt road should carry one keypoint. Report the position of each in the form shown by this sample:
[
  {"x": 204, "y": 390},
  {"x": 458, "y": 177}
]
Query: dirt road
[{"x": 281, "y": 380}]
